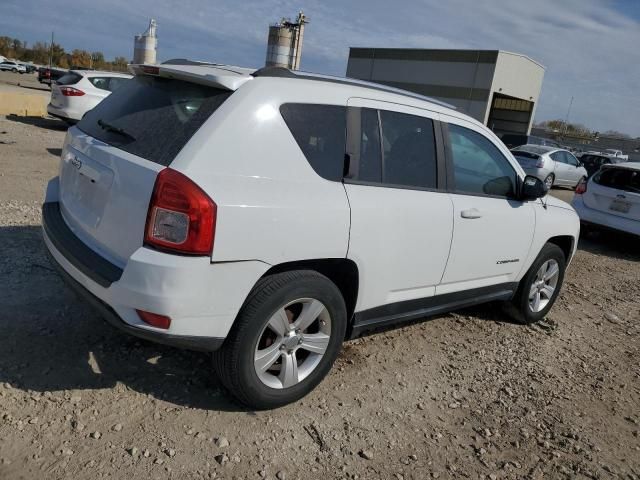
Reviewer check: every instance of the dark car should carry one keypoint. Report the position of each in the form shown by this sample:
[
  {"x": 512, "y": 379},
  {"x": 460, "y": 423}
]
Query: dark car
[
  {"x": 47, "y": 75},
  {"x": 512, "y": 140},
  {"x": 30, "y": 68},
  {"x": 592, "y": 162}
]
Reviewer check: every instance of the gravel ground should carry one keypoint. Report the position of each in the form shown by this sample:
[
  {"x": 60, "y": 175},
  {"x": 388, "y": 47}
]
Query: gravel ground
[{"x": 464, "y": 395}]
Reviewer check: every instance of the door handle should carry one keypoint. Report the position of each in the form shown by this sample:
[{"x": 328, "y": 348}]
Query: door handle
[{"x": 471, "y": 213}]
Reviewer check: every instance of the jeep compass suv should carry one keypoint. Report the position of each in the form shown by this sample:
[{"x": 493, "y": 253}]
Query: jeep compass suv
[{"x": 269, "y": 215}]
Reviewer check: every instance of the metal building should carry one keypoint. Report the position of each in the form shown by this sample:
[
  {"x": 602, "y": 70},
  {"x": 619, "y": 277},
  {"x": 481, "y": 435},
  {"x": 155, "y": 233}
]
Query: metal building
[
  {"x": 498, "y": 88},
  {"x": 145, "y": 45},
  {"x": 284, "y": 45}
]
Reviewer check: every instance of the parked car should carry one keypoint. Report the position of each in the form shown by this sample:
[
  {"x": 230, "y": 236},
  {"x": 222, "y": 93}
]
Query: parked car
[
  {"x": 551, "y": 165},
  {"x": 30, "y": 68},
  {"x": 269, "y": 215},
  {"x": 48, "y": 75},
  {"x": 77, "y": 92},
  {"x": 611, "y": 198},
  {"x": 617, "y": 153},
  {"x": 14, "y": 67},
  {"x": 514, "y": 140},
  {"x": 592, "y": 162}
]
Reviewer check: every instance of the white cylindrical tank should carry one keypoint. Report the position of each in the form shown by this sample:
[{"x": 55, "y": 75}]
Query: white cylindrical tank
[
  {"x": 145, "y": 45},
  {"x": 280, "y": 46}
]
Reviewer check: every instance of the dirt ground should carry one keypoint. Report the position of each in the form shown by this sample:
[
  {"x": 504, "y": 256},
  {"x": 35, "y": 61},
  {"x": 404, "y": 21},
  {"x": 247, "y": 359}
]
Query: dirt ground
[{"x": 464, "y": 395}]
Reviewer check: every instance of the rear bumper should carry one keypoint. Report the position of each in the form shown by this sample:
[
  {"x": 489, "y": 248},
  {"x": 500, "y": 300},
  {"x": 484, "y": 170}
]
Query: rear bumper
[
  {"x": 599, "y": 219},
  {"x": 63, "y": 114},
  {"x": 202, "y": 299}
]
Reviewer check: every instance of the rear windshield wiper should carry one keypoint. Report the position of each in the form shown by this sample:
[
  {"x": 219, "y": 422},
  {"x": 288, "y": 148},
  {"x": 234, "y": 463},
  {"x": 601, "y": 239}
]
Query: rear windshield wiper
[{"x": 112, "y": 128}]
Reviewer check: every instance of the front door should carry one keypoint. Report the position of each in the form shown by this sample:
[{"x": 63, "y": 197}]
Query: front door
[{"x": 492, "y": 230}]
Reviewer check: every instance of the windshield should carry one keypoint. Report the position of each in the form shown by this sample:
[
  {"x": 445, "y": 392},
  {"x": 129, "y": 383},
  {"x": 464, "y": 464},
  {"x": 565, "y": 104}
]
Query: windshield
[{"x": 153, "y": 117}]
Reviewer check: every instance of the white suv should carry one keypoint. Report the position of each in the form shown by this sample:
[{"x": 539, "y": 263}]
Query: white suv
[{"x": 269, "y": 215}]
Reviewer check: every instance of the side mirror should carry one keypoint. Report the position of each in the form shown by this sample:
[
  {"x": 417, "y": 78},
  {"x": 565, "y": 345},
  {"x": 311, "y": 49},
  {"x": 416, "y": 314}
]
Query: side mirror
[{"x": 532, "y": 188}]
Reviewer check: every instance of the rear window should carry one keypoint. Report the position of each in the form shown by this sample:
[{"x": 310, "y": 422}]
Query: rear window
[
  {"x": 620, "y": 178},
  {"x": 522, "y": 154},
  {"x": 69, "y": 79},
  {"x": 152, "y": 117},
  {"x": 320, "y": 132}
]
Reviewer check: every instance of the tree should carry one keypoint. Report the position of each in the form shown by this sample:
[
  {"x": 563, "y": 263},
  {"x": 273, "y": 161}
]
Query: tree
[
  {"x": 80, "y": 58},
  {"x": 98, "y": 61},
  {"x": 120, "y": 63}
]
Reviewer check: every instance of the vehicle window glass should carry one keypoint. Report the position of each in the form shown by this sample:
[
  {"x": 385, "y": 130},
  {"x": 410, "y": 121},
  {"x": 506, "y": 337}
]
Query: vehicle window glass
[
  {"x": 558, "y": 157},
  {"x": 320, "y": 132},
  {"x": 69, "y": 79},
  {"x": 153, "y": 117},
  {"x": 100, "y": 82},
  {"x": 409, "y": 157},
  {"x": 620, "y": 178},
  {"x": 116, "y": 82},
  {"x": 370, "y": 158},
  {"x": 570, "y": 159},
  {"x": 478, "y": 165}
]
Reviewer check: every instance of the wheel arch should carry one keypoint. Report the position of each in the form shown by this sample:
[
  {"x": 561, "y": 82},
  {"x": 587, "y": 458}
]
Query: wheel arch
[
  {"x": 343, "y": 272},
  {"x": 566, "y": 244}
]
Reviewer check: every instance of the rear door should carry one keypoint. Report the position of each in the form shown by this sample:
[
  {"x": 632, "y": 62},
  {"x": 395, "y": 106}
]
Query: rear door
[
  {"x": 401, "y": 223},
  {"x": 616, "y": 191},
  {"x": 561, "y": 170},
  {"x": 111, "y": 158},
  {"x": 493, "y": 230}
]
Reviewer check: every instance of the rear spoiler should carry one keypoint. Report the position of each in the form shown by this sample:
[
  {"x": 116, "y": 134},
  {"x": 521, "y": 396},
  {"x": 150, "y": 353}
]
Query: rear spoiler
[{"x": 219, "y": 76}]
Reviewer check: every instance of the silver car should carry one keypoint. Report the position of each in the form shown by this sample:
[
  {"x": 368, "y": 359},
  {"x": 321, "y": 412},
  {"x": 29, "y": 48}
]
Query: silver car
[{"x": 554, "y": 166}]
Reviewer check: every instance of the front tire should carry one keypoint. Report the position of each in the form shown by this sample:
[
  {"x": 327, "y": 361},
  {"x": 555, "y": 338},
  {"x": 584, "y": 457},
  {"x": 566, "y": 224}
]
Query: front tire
[
  {"x": 539, "y": 288},
  {"x": 284, "y": 341}
]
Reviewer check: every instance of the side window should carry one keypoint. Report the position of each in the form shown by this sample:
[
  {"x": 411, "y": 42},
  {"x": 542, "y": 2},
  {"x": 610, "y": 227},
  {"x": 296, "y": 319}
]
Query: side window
[
  {"x": 557, "y": 157},
  {"x": 571, "y": 160},
  {"x": 320, "y": 132},
  {"x": 367, "y": 151},
  {"x": 409, "y": 150},
  {"x": 100, "y": 82},
  {"x": 478, "y": 166}
]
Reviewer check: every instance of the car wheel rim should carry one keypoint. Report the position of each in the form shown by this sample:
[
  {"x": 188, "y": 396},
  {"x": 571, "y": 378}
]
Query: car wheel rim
[
  {"x": 549, "y": 182},
  {"x": 292, "y": 343},
  {"x": 544, "y": 286}
]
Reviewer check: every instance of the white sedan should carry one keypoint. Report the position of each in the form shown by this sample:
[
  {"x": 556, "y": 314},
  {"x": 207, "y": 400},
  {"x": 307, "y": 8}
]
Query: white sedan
[
  {"x": 78, "y": 91},
  {"x": 611, "y": 198},
  {"x": 13, "y": 67}
]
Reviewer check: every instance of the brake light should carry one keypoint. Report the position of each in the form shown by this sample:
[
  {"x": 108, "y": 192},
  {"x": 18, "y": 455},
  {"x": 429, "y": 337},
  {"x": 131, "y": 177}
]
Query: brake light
[
  {"x": 181, "y": 216},
  {"x": 71, "y": 92},
  {"x": 581, "y": 188},
  {"x": 151, "y": 70},
  {"x": 155, "y": 320},
  {"x": 540, "y": 162}
]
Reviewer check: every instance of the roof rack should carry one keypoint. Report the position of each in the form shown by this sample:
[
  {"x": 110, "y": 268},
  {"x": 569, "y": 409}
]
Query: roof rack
[{"x": 281, "y": 72}]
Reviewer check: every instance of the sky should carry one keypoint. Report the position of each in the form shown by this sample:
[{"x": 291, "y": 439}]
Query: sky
[{"x": 590, "y": 48}]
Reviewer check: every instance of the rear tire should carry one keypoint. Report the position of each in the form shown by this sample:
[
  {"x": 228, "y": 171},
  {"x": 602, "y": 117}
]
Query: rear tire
[
  {"x": 266, "y": 364},
  {"x": 539, "y": 288},
  {"x": 549, "y": 181}
]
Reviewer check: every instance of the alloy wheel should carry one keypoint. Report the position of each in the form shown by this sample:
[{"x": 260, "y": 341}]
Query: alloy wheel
[
  {"x": 544, "y": 285},
  {"x": 292, "y": 343}
]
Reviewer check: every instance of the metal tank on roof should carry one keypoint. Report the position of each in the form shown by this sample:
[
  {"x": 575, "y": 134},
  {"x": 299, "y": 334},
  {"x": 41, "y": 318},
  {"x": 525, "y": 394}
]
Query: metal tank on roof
[
  {"x": 145, "y": 45},
  {"x": 284, "y": 46}
]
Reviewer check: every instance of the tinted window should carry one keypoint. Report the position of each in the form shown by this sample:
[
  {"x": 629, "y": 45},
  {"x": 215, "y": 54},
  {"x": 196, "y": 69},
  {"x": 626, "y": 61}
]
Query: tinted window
[
  {"x": 100, "y": 82},
  {"x": 409, "y": 150},
  {"x": 558, "y": 157},
  {"x": 619, "y": 178},
  {"x": 156, "y": 116},
  {"x": 478, "y": 165},
  {"x": 69, "y": 79},
  {"x": 320, "y": 132},
  {"x": 116, "y": 82},
  {"x": 365, "y": 152},
  {"x": 571, "y": 160}
]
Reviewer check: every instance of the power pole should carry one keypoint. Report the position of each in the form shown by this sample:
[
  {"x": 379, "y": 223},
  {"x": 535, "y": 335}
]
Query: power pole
[
  {"x": 51, "y": 51},
  {"x": 566, "y": 121}
]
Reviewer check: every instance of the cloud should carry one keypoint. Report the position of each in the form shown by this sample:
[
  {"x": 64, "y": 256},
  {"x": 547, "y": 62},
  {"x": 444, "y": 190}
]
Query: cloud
[{"x": 589, "y": 47}]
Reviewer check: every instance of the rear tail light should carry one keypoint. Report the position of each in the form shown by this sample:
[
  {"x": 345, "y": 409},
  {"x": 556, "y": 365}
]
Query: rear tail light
[
  {"x": 155, "y": 320},
  {"x": 540, "y": 163},
  {"x": 581, "y": 188},
  {"x": 151, "y": 70},
  {"x": 181, "y": 216},
  {"x": 71, "y": 92}
]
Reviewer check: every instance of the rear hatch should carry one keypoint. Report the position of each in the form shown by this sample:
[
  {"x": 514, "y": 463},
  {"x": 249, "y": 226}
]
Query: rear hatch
[
  {"x": 112, "y": 157},
  {"x": 58, "y": 99},
  {"x": 527, "y": 160},
  {"x": 615, "y": 190}
]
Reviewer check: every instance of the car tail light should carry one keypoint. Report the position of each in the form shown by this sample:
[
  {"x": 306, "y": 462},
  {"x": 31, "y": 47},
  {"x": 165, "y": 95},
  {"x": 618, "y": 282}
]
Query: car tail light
[
  {"x": 151, "y": 70},
  {"x": 181, "y": 216},
  {"x": 71, "y": 92},
  {"x": 540, "y": 162},
  {"x": 581, "y": 188},
  {"x": 155, "y": 320}
]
